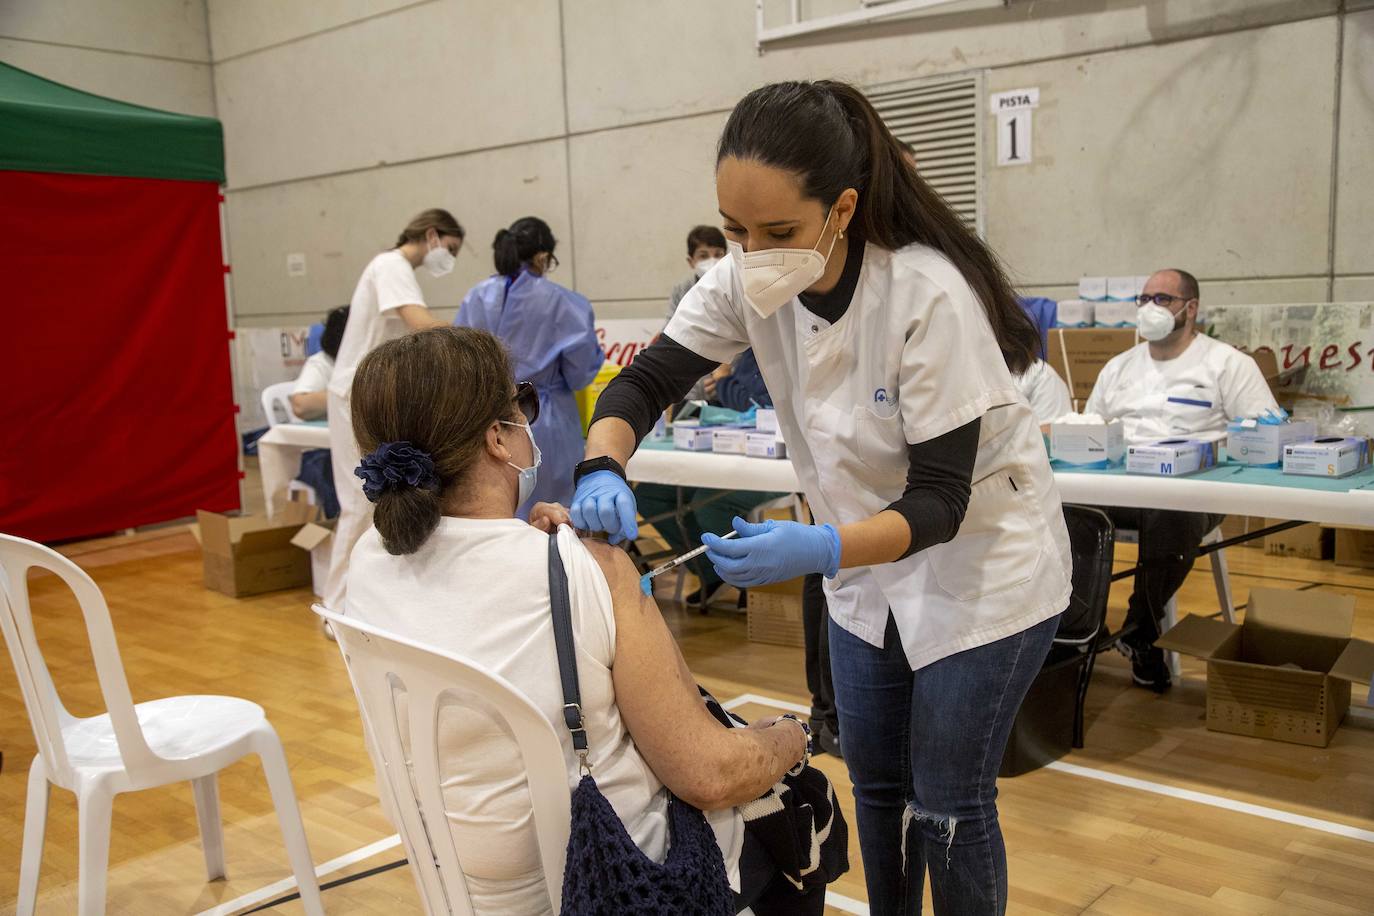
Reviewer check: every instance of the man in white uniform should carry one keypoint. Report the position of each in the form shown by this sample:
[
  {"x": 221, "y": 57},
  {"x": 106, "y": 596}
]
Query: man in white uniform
[{"x": 1177, "y": 383}]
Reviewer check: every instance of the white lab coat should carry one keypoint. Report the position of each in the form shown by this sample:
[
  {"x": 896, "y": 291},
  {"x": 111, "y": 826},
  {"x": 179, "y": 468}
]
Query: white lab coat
[
  {"x": 914, "y": 357},
  {"x": 1194, "y": 394},
  {"x": 1044, "y": 391}
]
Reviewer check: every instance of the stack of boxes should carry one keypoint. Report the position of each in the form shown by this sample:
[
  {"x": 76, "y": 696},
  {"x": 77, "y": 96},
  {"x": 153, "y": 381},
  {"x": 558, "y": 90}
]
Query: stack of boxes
[{"x": 762, "y": 439}]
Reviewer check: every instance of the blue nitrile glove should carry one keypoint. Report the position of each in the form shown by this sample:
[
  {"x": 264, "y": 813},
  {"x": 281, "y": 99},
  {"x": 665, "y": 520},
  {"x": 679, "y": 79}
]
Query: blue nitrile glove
[
  {"x": 1270, "y": 418},
  {"x": 773, "y": 552},
  {"x": 603, "y": 501}
]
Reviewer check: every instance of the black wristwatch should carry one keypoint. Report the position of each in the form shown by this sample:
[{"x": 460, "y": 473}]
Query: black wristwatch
[{"x": 602, "y": 463}]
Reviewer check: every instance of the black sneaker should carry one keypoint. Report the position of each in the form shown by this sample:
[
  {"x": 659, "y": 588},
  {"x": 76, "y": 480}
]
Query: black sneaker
[
  {"x": 702, "y": 596},
  {"x": 1148, "y": 667},
  {"x": 828, "y": 741}
]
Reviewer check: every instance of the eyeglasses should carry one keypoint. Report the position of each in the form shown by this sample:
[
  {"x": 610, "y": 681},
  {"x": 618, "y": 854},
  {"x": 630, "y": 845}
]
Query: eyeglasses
[
  {"x": 527, "y": 399},
  {"x": 552, "y": 264},
  {"x": 1160, "y": 299}
]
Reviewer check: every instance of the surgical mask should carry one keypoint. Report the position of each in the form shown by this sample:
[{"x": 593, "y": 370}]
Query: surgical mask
[
  {"x": 530, "y": 475},
  {"x": 1155, "y": 322},
  {"x": 439, "y": 261},
  {"x": 774, "y": 276},
  {"x": 704, "y": 265}
]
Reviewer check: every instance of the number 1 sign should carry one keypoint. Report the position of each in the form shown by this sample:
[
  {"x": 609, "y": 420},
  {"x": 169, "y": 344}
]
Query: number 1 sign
[{"x": 1014, "y": 137}]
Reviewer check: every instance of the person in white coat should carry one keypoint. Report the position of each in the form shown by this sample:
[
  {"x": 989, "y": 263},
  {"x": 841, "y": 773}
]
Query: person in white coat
[
  {"x": 888, "y": 337},
  {"x": 387, "y": 304},
  {"x": 1176, "y": 383},
  {"x": 1045, "y": 392}
]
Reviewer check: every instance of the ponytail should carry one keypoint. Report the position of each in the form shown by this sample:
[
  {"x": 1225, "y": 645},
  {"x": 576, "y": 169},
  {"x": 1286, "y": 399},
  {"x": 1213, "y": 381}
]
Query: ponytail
[
  {"x": 514, "y": 247},
  {"x": 830, "y": 136}
]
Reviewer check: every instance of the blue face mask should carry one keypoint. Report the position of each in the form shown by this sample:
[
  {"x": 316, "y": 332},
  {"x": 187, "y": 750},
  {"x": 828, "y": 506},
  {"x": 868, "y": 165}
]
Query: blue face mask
[{"x": 530, "y": 475}]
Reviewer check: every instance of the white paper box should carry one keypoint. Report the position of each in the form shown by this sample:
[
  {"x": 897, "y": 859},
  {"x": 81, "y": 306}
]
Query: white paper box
[
  {"x": 764, "y": 445},
  {"x": 728, "y": 441},
  {"x": 1093, "y": 289},
  {"x": 1121, "y": 289},
  {"x": 766, "y": 420},
  {"x": 1329, "y": 456},
  {"x": 1075, "y": 313},
  {"x": 1114, "y": 315},
  {"x": 1088, "y": 444},
  {"x": 691, "y": 438},
  {"x": 1171, "y": 457},
  {"x": 1254, "y": 443}
]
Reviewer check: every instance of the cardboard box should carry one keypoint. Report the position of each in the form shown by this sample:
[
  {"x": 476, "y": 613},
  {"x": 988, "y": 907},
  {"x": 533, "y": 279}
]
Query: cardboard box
[
  {"x": 1171, "y": 457},
  {"x": 1284, "y": 673},
  {"x": 766, "y": 420},
  {"x": 691, "y": 438},
  {"x": 1074, "y": 313},
  {"x": 1254, "y": 443},
  {"x": 1311, "y": 542},
  {"x": 317, "y": 539},
  {"x": 1328, "y": 456},
  {"x": 764, "y": 445},
  {"x": 775, "y": 614},
  {"x": 1078, "y": 355},
  {"x": 728, "y": 441},
  {"x": 1088, "y": 444},
  {"x": 1355, "y": 547},
  {"x": 1236, "y": 525},
  {"x": 251, "y": 555}
]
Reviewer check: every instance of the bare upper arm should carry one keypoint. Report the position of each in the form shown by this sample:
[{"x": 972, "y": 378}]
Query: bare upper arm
[{"x": 656, "y": 693}]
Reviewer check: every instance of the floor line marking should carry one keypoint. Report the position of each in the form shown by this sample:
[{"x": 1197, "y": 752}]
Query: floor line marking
[{"x": 287, "y": 885}]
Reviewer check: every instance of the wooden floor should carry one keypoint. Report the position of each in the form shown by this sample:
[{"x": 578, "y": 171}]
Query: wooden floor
[{"x": 1077, "y": 843}]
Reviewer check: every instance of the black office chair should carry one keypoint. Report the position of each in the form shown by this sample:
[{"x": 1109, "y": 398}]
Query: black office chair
[
  {"x": 1084, "y": 621},
  {"x": 1046, "y": 727}
]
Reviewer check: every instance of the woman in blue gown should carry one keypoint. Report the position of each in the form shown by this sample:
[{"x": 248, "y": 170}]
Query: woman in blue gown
[{"x": 551, "y": 334}]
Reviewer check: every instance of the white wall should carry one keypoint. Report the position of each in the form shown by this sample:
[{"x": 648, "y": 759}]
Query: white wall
[{"x": 150, "y": 52}]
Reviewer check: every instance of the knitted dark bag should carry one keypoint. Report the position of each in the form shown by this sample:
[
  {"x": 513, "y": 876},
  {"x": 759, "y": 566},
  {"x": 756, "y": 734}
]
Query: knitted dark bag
[{"x": 606, "y": 873}]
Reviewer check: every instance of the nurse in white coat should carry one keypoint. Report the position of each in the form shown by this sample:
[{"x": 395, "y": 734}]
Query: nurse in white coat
[
  {"x": 888, "y": 337},
  {"x": 387, "y": 304}
]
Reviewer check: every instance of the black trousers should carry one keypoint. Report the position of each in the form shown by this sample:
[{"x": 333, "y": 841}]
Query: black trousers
[
  {"x": 1169, "y": 543},
  {"x": 816, "y": 621}
]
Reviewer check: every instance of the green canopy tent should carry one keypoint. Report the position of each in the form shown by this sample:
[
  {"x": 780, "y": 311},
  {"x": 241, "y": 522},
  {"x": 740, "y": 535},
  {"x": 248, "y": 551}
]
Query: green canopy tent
[{"x": 115, "y": 359}]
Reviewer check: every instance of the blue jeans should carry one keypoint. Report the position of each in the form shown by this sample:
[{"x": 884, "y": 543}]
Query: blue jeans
[{"x": 923, "y": 750}]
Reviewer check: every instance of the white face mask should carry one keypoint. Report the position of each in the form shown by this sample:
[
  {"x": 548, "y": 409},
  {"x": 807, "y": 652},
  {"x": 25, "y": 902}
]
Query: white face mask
[
  {"x": 1155, "y": 322},
  {"x": 439, "y": 261},
  {"x": 704, "y": 265},
  {"x": 774, "y": 276},
  {"x": 530, "y": 475}
]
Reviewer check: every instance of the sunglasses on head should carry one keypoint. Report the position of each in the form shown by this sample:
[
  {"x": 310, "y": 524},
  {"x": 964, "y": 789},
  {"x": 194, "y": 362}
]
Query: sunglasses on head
[{"x": 527, "y": 399}]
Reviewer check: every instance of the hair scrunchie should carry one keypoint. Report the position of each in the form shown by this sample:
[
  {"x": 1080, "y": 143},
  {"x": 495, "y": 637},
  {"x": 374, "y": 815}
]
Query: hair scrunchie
[{"x": 394, "y": 466}]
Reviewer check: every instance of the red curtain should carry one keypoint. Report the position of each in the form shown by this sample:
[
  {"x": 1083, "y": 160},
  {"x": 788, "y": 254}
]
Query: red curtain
[{"x": 117, "y": 406}]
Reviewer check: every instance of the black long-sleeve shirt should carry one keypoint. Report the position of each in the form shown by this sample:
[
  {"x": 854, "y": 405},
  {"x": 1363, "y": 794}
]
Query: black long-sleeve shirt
[{"x": 939, "y": 470}]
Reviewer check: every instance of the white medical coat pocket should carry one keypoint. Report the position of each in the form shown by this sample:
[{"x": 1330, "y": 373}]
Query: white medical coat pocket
[
  {"x": 997, "y": 547},
  {"x": 881, "y": 443}
]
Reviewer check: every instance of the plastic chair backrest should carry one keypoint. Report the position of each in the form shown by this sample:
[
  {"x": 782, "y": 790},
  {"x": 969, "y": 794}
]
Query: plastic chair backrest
[
  {"x": 1091, "y": 537},
  {"x": 276, "y": 403},
  {"x": 379, "y": 663},
  {"x": 46, "y": 712}
]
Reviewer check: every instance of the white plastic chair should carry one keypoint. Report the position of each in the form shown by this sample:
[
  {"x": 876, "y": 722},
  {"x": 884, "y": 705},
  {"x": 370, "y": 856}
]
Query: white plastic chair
[
  {"x": 276, "y": 403},
  {"x": 129, "y": 747},
  {"x": 379, "y": 662}
]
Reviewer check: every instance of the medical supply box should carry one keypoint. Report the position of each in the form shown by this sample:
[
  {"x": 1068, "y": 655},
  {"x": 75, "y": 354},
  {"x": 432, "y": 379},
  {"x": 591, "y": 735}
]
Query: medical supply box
[
  {"x": 1285, "y": 672},
  {"x": 1171, "y": 457},
  {"x": 1091, "y": 445},
  {"x": 1327, "y": 456},
  {"x": 1074, "y": 313},
  {"x": 764, "y": 445},
  {"x": 689, "y": 436},
  {"x": 766, "y": 420},
  {"x": 1261, "y": 444},
  {"x": 250, "y": 555},
  {"x": 728, "y": 441},
  {"x": 1113, "y": 314}
]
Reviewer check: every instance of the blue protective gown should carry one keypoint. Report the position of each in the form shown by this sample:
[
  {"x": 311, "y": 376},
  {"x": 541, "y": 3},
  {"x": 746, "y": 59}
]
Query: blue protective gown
[{"x": 551, "y": 334}]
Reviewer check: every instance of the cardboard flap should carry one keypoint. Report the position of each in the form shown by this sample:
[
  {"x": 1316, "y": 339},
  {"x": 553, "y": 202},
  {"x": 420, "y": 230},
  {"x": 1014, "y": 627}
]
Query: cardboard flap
[
  {"x": 1356, "y": 662},
  {"x": 311, "y": 536},
  {"x": 1312, "y": 613},
  {"x": 214, "y": 532},
  {"x": 265, "y": 540},
  {"x": 1200, "y": 637},
  {"x": 295, "y": 512}
]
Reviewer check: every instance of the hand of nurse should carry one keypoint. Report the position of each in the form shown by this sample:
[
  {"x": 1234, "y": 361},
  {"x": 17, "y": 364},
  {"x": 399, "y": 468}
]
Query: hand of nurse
[
  {"x": 773, "y": 552},
  {"x": 548, "y": 516},
  {"x": 603, "y": 501}
]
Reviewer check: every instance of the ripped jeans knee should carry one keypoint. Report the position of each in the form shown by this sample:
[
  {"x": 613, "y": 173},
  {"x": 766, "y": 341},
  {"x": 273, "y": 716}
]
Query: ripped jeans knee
[{"x": 944, "y": 826}]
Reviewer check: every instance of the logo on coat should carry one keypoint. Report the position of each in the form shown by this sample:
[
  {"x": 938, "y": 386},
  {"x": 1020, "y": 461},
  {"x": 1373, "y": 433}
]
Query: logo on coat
[{"x": 880, "y": 396}]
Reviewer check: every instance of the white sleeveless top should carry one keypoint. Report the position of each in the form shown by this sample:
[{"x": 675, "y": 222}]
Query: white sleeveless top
[{"x": 479, "y": 588}]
